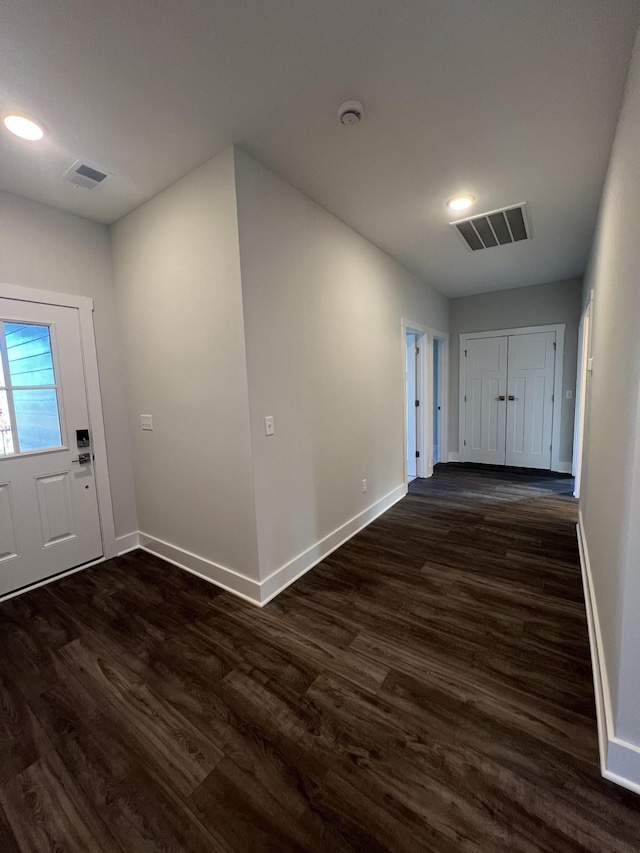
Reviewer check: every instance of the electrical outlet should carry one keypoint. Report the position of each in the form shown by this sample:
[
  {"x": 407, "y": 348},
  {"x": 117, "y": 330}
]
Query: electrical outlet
[
  {"x": 269, "y": 427},
  {"x": 146, "y": 422},
  {"x": 364, "y": 486}
]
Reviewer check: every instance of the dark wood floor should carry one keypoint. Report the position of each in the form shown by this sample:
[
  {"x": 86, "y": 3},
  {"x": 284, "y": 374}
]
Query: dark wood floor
[{"x": 427, "y": 687}]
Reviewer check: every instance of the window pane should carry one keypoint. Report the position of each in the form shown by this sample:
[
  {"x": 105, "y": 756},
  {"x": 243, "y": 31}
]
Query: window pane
[
  {"x": 29, "y": 354},
  {"x": 6, "y": 436},
  {"x": 37, "y": 418}
]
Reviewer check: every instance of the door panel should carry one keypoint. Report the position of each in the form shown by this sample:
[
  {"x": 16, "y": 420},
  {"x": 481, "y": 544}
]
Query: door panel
[
  {"x": 485, "y": 412},
  {"x": 49, "y": 518},
  {"x": 8, "y": 540},
  {"x": 530, "y": 412}
]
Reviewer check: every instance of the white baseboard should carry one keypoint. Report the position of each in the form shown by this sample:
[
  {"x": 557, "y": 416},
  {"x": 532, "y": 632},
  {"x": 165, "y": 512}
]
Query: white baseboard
[
  {"x": 262, "y": 592},
  {"x": 453, "y": 457},
  {"x": 126, "y": 543},
  {"x": 291, "y": 571},
  {"x": 619, "y": 760},
  {"x": 228, "y": 579}
]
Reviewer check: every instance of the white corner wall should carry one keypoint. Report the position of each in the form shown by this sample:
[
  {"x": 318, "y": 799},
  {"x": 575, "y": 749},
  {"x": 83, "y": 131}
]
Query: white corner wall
[
  {"x": 47, "y": 249},
  {"x": 177, "y": 279},
  {"x": 322, "y": 311},
  {"x": 609, "y": 526},
  {"x": 537, "y": 305}
]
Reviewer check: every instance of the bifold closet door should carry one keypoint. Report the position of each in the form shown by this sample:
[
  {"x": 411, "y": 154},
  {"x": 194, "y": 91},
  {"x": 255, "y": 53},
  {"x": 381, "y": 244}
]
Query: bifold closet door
[{"x": 508, "y": 405}]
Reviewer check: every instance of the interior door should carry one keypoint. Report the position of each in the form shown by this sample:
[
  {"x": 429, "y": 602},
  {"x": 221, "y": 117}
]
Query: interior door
[
  {"x": 485, "y": 400},
  {"x": 530, "y": 399},
  {"x": 49, "y": 518}
]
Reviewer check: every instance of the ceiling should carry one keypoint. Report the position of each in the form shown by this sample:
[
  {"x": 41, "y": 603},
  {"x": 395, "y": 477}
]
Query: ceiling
[{"x": 511, "y": 100}]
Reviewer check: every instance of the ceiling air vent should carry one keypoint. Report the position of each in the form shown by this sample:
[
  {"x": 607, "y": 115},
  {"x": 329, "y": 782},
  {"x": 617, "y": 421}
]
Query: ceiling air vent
[
  {"x": 84, "y": 175},
  {"x": 497, "y": 228}
]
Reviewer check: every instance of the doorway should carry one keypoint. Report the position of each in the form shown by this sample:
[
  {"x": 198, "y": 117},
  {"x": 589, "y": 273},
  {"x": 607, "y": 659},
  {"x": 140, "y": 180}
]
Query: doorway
[
  {"x": 584, "y": 371},
  {"x": 415, "y": 373},
  {"x": 411, "y": 397},
  {"x": 439, "y": 379},
  {"x": 510, "y": 388},
  {"x": 425, "y": 366},
  {"x": 55, "y": 502}
]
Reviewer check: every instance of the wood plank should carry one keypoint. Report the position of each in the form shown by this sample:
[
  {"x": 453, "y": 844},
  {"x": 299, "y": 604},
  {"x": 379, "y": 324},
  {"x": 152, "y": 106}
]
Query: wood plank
[{"x": 426, "y": 687}]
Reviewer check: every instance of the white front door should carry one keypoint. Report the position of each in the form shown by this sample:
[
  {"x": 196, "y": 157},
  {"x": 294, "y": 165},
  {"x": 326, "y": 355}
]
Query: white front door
[
  {"x": 49, "y": 518},
  {"x": 485, "y": 400},
  {"x": 530, "y": 399},
  {"x": 508, "y": 404}
]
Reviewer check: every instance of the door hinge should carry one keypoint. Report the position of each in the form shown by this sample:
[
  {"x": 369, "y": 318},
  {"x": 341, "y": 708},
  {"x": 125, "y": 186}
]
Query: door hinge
[
  {"x": 417, "y": 402},
  {"x": 417, "y": 350},
  {"x": 465, "y": 398},
  {"x": 554, "y": 345},
  {"x": 417, "y": 454},
  {"x": 465, "y": 353},
  {"x": 553, "y": 397},
  {"x": 465, "y": 443}
]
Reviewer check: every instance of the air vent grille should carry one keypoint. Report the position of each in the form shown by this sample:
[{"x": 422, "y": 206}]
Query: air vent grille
[
  {"x": 496, "y": 228},
  {"x": 83, "y": 175}
]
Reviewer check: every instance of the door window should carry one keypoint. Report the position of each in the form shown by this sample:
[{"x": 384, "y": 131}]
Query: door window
[{"x": 29, "y": 414}]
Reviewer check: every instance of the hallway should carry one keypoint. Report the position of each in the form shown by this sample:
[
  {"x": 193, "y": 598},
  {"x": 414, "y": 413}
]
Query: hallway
[{"x": 426, "y": 687}]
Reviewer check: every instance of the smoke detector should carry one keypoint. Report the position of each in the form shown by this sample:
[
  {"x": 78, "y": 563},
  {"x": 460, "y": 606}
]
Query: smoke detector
[{"x": 350, "y": 112}]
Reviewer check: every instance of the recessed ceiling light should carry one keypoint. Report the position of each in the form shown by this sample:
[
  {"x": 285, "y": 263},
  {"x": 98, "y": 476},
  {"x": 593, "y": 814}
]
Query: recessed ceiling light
[
  {"x": 461, "y": 202},
  {"x": 23, "y": 127}
]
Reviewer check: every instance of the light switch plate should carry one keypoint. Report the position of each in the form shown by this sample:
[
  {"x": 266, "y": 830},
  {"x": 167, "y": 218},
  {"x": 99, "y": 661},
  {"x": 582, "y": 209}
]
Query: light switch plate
[
  {"x": 146, "y": 422},
  {"x": 269, "y": 427}
]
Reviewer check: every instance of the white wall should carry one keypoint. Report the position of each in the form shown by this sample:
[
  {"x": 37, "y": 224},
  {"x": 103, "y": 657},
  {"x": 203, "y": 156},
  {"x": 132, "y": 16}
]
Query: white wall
[
  {"x": 537, "y": 305},
  {"x": 45, "y": 248},
  {"x": 323, "y": 310},
  {"x": 610, "y": 490},
  {"x": 177, "y": 279}
]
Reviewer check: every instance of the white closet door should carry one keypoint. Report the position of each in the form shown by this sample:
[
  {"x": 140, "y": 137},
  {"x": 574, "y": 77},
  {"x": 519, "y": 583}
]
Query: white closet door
[
  {"x": 531, "y": 367},
  {"x": 486, "y": 388}
]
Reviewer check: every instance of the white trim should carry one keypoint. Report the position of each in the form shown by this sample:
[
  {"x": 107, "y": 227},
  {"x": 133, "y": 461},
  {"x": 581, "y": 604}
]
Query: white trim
[
  {"x": 84, "y": 305},
  {"x": 619, "y": 759},
  {"x": 261, "y": 592},
  {"x": 291, "y": 571},
  {"x": 422, "y": 391},
  {"x": 584, "y": 353},
  {"x": 453, "y": 457},
  {"x": 98, "y": 438},
  {"x": 222, "y": 576},
  {"x": 559, "y": 329},
  {"x": 128, "y": 542},
  {"x": 46, "y": 297},
  {"x": 443, "y": 386}
]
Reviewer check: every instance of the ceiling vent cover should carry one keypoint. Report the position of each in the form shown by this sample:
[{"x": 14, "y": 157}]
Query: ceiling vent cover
[
  {"x": 84, "y": 175},
  {"x": 496, "y": 228}
]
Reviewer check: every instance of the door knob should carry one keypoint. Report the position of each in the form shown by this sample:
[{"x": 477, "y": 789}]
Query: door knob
[
  {"x": 501, "y": 397},
  {"x": 511, "y": 397}
]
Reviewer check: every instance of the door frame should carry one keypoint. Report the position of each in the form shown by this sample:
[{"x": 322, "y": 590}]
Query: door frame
[
  {"x": 443, "y": 393},
  {"x": 424, "y": 388},
  {"x": 411, "y": 327},
  {"x": 559, "y": 329},
  {"x": 584, "y": 371},
  {"x": 85, "y": 307}
]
